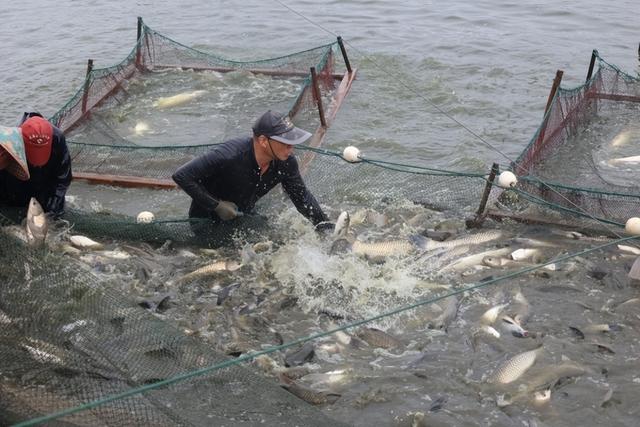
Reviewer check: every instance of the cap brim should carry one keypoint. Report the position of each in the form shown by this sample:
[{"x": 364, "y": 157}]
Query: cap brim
[
  {"x": 293, "y": 137},
  {"x": 11, "y": 142}
]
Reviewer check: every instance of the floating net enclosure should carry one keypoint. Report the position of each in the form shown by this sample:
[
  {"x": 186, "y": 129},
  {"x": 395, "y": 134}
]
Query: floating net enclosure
[
  {"x": 580, "y": 167},
  {"x": 136, "y": 122}
]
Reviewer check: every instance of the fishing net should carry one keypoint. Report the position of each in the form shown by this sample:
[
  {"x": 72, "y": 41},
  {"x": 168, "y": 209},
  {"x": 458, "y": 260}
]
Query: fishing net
[
  {"x": 70, "y": 337},
  {"x": 580, "y": 167},
  {"x": 165, "y": 103}
]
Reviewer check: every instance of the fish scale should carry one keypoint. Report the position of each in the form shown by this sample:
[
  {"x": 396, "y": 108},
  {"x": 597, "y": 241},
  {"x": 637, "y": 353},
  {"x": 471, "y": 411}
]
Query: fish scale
[{"x": 513, "y": 368}]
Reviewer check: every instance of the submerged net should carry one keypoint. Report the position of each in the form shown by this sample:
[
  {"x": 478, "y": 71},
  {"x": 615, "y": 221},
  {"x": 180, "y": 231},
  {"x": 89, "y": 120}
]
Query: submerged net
[{"x": 67, "y": 339}]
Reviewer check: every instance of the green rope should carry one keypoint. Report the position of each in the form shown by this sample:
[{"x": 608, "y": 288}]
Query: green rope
[{"x": 269, "y": 350}]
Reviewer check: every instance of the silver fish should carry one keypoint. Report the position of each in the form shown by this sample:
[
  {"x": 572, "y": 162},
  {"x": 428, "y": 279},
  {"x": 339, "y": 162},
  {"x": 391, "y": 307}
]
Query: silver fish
[
  {"x": 475, "y": 259},
  {"x": 471, "y": 239},
  {"x": 448, "y": 314},
  {"x": 377, "y": 338},
  {"x": 513, "y": 368},
  {"x": 342, "y": 225},
  {"x": 514, "y": 328},
  {"x": 499, "y": 262},
  {"x": 37, "y": 224},
  {"x": 491, "y": 315}
]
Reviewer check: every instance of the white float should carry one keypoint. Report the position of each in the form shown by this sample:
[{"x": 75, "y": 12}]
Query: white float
[
  {"x": 633, "y": 226},
  {"x": 145, "y": 217},
  {"x": 507, "y": 179},
  {"x": 351, "y": 154}
]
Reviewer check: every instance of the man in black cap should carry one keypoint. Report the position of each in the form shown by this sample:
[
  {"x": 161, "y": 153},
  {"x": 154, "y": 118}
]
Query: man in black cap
[{"x": 228, "y": 180}]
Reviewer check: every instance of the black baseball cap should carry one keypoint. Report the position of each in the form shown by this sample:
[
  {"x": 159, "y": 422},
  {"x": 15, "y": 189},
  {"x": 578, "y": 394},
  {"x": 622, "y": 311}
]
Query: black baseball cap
[{"x": 280, "y": 128}]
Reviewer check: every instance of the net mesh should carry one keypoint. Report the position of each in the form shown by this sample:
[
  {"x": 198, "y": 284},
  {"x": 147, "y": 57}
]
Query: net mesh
[
  {"x": 70, "y": 336},
  {"x": 165, "y": 103},
  {"x": 578, "y": 168}
]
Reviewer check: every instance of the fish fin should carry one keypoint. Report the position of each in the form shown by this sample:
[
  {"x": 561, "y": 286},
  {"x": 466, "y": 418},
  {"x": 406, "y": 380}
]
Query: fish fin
[{"x": 634, "y": 273}]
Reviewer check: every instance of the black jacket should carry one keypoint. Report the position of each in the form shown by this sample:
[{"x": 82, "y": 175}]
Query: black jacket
[
  {"x": 47, "y": 183},
  {"x": 230, "y": 172}
]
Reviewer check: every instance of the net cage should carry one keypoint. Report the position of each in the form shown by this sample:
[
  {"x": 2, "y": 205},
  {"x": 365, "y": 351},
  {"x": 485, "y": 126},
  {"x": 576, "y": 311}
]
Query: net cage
[
  {"x": 579, "y": 169},
  {"x": 165, "y": 103}
]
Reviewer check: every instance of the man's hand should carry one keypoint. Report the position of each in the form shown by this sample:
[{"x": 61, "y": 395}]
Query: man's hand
[{"x": 227, "y": 210}]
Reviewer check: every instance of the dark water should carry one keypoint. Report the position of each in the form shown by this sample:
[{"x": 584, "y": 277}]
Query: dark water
[{"x": 487, "y": 64}]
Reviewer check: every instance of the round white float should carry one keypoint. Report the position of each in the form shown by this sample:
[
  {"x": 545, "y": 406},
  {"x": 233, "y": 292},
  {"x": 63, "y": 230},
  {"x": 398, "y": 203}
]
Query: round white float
[
  {"x": 145, "y": 217},
  {"x": 351, "y": 154},
  {"x": 507, "y": 179},
  {"x": 633, "y": 226}
]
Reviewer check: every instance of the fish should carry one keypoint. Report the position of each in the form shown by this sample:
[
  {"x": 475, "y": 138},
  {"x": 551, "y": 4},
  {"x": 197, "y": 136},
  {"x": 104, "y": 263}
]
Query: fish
[
  {"x": 509, "y": 324},
  {"x": 521, "y": 309},
  {"x": 342, "y": 225},
  {"x": 629, "y": 249},
  {"x": 377, "y": 338},
  {"x": 593, "y": 328},
  {"x": 631, "y": 160},
  {"x": 43, "y": 352},
  {"x": 179, "y": 99},
  {"x": 634, "y": 271},
  {"x": 471, "y": 239},
  {"x": 448, "y": 314},
  {"x": 623, "y": 138},
  {"x": 491, "y": 315},
  {"x": 37, "y": 224},
  {"x": 498, "y": 262},
  {"x": 213, "y": 268},
  {"x": 515, "y": 367},
  {"x": 308, "y": 395},
  {"x": 141, "y": 128},
  {"x": 300, "y": 356},
  {"x": 84, "y": 242},
  {"x": 522, "y": 254},
  {"x": 378, "y": 251},
  {"x": 475, "y": 259}
]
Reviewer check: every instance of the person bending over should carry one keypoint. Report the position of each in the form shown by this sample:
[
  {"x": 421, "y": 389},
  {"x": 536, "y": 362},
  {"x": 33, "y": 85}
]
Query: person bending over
[{"x": 228, "y": 180}]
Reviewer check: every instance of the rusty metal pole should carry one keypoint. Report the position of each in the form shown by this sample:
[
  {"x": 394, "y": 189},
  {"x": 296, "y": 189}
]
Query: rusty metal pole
[
  {"x": 594, "y": 54},
  {"x": 554, "y": 89},
  {"x": 344, "y": 54},
  {"x": 85, "y": 94},
  {"x": 317, "y": 96},
  {"x": 477, "y": 220}
]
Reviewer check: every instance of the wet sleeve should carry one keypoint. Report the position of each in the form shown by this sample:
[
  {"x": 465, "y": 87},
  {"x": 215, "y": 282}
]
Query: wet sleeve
[
  {"x": 61, "y": 177},
  {"x": 190, "y": 178},
  {"x": 301, "y": 197}
]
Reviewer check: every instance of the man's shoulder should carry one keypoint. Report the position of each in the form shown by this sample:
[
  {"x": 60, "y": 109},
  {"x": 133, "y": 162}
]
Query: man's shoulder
[{"x": 233, "y": 147}]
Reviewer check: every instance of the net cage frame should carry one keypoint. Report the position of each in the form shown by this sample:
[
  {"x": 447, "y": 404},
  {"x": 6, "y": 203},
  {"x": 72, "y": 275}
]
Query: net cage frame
[
  {"x": 568, "y": 112},
  {"x": 149, "y": 55}
]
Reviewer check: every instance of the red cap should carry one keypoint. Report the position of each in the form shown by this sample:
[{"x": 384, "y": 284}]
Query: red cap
[{"x": 37, "y": 134}]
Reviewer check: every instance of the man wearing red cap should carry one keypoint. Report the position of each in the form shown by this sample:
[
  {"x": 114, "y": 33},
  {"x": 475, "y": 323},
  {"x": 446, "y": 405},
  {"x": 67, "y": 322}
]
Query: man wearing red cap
[{"x": 34, "y": 162}]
